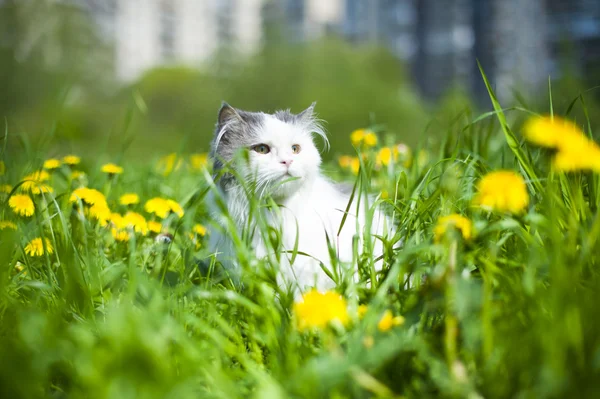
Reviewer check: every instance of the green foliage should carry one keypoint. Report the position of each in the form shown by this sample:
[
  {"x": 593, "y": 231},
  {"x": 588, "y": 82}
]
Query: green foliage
[{"x": 509, "y": 312}]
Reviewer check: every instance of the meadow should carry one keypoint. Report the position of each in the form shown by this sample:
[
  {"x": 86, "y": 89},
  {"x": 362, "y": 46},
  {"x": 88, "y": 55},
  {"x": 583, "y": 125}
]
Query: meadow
[{"x": 107, "y": 290}]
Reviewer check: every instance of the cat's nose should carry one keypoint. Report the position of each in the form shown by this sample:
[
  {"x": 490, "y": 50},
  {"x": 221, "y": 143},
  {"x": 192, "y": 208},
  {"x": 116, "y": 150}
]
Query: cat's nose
[{"x": 287, "y": 162}]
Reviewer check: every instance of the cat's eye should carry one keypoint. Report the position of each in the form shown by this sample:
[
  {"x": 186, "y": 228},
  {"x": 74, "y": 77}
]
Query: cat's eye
[
  {"x": 296, "y": 148},
  {"x": 261, "y": 148}
]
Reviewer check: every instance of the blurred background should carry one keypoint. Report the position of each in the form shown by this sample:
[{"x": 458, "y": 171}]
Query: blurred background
[{"x": 146, "y": 77}]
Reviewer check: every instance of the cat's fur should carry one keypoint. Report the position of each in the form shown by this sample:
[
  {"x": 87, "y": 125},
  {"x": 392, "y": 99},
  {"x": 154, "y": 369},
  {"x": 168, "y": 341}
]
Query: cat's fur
[{"x": 310, "y": 204}]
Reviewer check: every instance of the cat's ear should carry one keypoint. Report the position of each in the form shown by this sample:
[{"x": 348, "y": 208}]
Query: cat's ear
[
  {"x": 308, "y": 113},
  {"x": 227, "y": 114}
]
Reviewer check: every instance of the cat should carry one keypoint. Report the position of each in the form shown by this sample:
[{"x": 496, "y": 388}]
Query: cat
[{"x": 279, "y": 159}]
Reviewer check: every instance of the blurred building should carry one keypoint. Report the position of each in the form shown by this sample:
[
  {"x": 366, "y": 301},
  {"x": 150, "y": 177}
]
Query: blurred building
[
  {"x": 518, "y": 42},
  {"x": 574, "y": 37},
  {"x": 148, "y": 33}
]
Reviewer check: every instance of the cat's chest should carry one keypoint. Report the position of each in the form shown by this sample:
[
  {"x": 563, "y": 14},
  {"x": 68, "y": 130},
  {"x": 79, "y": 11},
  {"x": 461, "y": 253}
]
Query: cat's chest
[{"x": 312, "y": 224}]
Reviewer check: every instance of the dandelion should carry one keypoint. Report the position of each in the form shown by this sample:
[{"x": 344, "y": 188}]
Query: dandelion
[
  {"x": 319, "y": 309},
  {"x": 169, "y": 163},
  {"x": 356, "y": 137},
  {"x": 51, "y": 164},
  {"x": 370, "y": 140},
  {"x": 363, "y": 137},
  {"x": 345, "y": 161},
  {"x": 5, "y": 188},
  {"x": 502, "y": 191},
  {"x": 100, "y": 212},
  {"x": 35, "y": 247},
  {"x": 116, "y": 220},
  {"x": 388, "y": 321},
  {"x": 136, "y": 221},
  {"x": 42, "y": 188},
  {"x": 33, "y": 181},
  {"x": 89, "y": 196},
  {"x": 199, "y": 229},
  {"x": 112, "y": 169},
  {"x": 175, "y": 207},
  {"x": 549, "y": 132},
  {"x": 158, "y": 206},
  {"x": 362, "y": 311},
  {"x": 386, "y": 155},
  {"x": 355, "y": 165},
  {"x": 129, "y": 199},
  {"x": 21, "y": 204},
  {"x": 71, "y": 160},
  {"x": 585, "y": 158},
  {"x": 5, "y": 224},
  {"x": 575, "y": 151},
  {"x": 154, "y": 227},
  {"x": 162, "y": 207},
  {"x": 120, "y": 235},
  {"x": 461, "y": 223},
  {"x": 198, "y": 161}
]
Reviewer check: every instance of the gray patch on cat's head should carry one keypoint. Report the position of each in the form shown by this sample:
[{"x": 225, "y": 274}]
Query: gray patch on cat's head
[
  {"x": 305, "y": 119},
  {"x": 235, "y": 129}
]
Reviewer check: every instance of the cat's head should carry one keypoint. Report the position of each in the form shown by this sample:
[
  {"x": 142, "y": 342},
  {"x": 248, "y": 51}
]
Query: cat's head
[{"x": 281, "y": 154}]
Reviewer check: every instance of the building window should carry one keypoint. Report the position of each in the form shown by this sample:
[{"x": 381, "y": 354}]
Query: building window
[{"x": 167, "y": 29}]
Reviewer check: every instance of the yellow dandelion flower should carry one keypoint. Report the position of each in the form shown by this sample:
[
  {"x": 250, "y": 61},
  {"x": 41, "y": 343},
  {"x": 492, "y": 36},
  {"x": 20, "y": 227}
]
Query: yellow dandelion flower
[
  {"x": 154, "y": 227},
  {"x": 41, "y": 188},
  {"x": 112, "y": 169},
  {"x": 117, "y": 220},
  {"x": 5, "y": 188},
  {"x": 137, "y": 222},
  {"x": 355, "y": 165},
  {"x": 345, "y": 161},
  {"x": 71, "y": 160},
  {"x": 356, "y": 137},
  {"x": 546, "y": 131},
  {"x": 363, "y": 137},
  {"x": 198, "y": 161},
  {"x": 502, "y": 191},
  {"x": 89, "y": 196},
  {"x": 35, "y": 247},
  {"x": 51, "y": 164},
  {"x": 194, "y": 239},
  {"x": 101, "y": 213},
  {"x": 175, "y": 207},
  {"x": 585, "y": 158},
  {"x": 387, "y": 155},
  {"x": 575, "y": 150},
  {"x": 388, "y": 321},
  {"x": 199, "y": 229},
  {"x": 370, "y": 140},
  {"x": 21, "y": 204},
  {"x": 129, "y": 199},
  {"x": 77, "y": 174},
  {"x": 169, "y": 163},
  {"x": 461, "y": 223},
  {"x": 162, "y": 207},
  {"x": 2, "y": 168},
  {"x": 317, "y": 310},
  {"x": 32, "y": 181},
  {"x": 362, "y": 310},
  {"x": 120, "y": 235},
  {"x": 158, "y": 206},
  {"x": 5, "y": 224}
]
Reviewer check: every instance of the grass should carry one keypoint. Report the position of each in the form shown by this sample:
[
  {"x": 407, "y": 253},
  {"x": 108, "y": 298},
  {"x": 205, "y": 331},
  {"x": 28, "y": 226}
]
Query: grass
[{"x": 510, "y": 312}]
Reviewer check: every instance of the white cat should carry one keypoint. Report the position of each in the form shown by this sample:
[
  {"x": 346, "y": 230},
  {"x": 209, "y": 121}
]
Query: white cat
[{"x": 282, "y": 161}]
